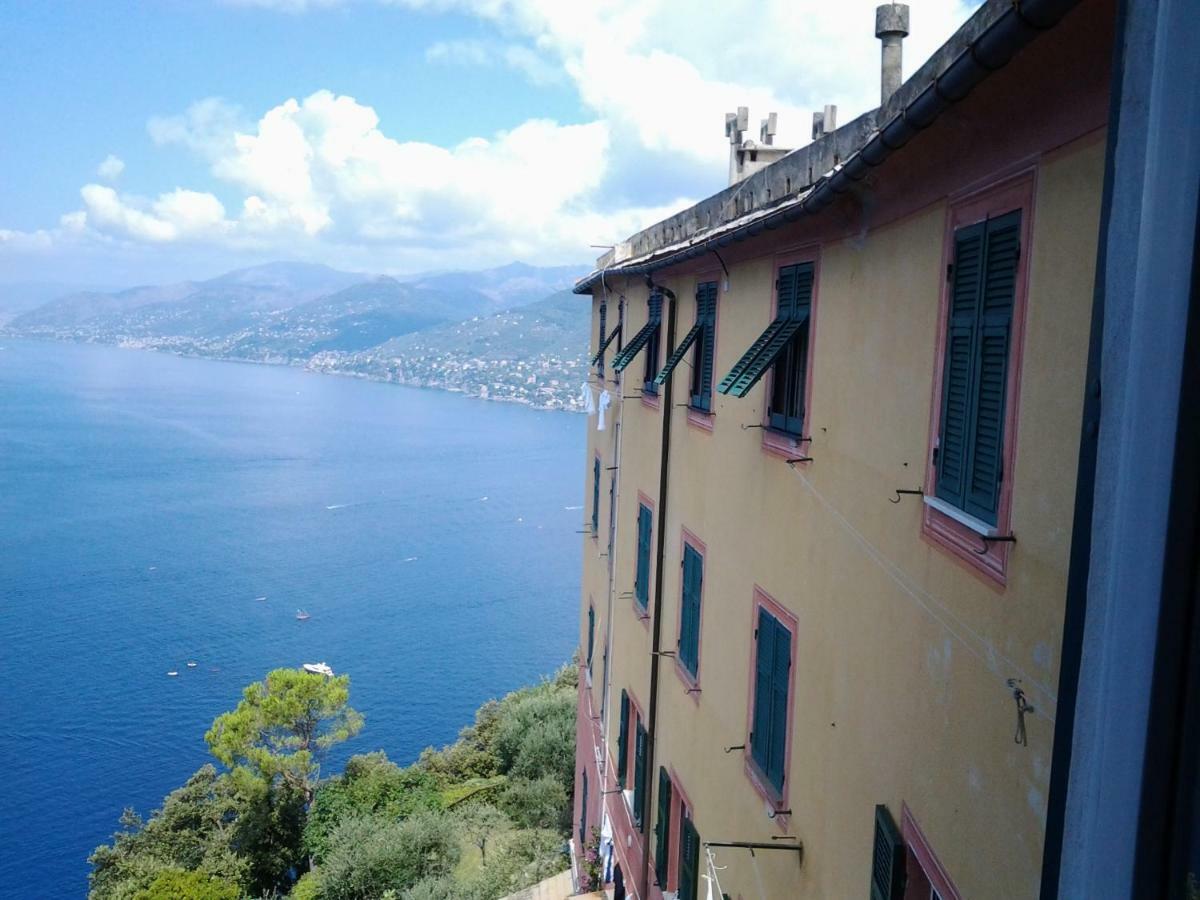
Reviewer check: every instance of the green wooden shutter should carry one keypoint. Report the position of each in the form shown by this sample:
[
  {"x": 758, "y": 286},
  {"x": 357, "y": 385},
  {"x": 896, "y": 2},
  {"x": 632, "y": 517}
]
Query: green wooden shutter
[
  {"x": 591, "y": 636},
  {"x": 642, "y": 577},
  {"x": 780, "y": 670},
  {"x": 689, "y": 618},
  {"x": 995, "y": 325},
  {"x": 760, "y": 734},
  {"x": 702, "y": 366},
  {"x": 662, "y": 828},
  {"x": 623, "y": 740},
  {"x": 959, "y": 364},
  {"x": 887, "y": 863},
  {"x": 583, "y": 813},
  {"x": 596, "y": 496},
  {"x": 689, "y": 860},
  {"x": 639, "y": 776},
  {"x": 603, "y": 342}
]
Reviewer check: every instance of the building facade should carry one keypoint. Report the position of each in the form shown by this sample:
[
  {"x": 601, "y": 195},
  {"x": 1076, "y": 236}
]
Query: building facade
[{"x": 829, "y": 514}]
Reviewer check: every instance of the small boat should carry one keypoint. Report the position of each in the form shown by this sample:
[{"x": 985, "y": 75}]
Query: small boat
[
  {"x": 318, "y": 669},
  {"x": 260, "y": 598},
  {"x": 172, "y": 673},
  {"x": 302, "y": 615},
  {"x": 191, "y": 664}
]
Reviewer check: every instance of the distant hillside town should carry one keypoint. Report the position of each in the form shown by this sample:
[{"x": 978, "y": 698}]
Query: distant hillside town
[{"x": 512, "y": 333}]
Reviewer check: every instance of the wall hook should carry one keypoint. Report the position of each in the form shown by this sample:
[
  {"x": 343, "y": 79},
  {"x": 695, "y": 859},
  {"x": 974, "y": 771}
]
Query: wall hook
[
  {"x": 899, "y": 491},
  {"x": 776, "y": 813},
  {"x": 1023, "y": 707},
  {"x": 792, "y": 462},
  {"x": 735, "y": 747},
  {"x": 998, "y": 539},
  {"x": 748, "y": 427}
]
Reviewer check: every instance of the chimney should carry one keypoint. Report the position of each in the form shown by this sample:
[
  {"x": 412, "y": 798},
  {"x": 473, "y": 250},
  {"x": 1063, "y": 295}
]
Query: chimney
[
  {"x": 891, "y": 27},
  {"x": 824, "y": 122}
]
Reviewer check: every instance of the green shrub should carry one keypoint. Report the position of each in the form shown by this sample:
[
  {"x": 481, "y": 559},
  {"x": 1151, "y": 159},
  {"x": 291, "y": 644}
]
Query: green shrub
[
  {"x": 537, "y": 803},
  {"x": 177, "y": 884},
  {"x": 368, "y": 856}
]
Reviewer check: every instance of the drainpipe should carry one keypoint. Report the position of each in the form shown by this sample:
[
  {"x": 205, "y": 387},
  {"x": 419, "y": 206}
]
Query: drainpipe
[
  {"x": 656, "y": 622},
  {"x": 891, "y": 27}
]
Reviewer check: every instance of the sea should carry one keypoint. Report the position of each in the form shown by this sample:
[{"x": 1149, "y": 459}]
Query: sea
[{"x": 157, "y": 511}]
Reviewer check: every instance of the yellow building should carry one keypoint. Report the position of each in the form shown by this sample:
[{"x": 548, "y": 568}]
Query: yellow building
[{"x": 831, "y": 503}]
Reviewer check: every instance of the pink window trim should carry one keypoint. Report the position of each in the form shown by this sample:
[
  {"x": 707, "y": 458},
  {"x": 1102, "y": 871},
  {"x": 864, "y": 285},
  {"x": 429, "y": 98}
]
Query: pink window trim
[
  {"x": 698, "y": 418},
  {"x": 692, "y": 685},
  {"x": 916, "y": 841},
  {"x": 643, "y": 614},
  {"x": 776, "y": 443},
  {"x": 679, "y": 802},
  {"x": 1013, "y": 192},
  {"x": 635, "y": 716},
  {"x": 776, "y": 801}
]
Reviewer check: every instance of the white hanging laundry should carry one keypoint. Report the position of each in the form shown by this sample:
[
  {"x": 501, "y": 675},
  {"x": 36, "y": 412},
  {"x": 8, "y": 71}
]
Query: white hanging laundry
[
  {"x": 606, "y": 849},
  {"x": 585, "y": 397},
  {"x": 605, "y": 402}
]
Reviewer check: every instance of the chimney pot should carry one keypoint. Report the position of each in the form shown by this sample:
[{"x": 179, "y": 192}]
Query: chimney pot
[{"x": 891, "y": 27}]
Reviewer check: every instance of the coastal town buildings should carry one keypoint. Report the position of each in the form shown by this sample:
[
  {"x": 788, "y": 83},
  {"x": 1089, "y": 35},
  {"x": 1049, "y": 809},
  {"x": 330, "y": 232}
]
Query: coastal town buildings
[{"x": 830, "y": 517}]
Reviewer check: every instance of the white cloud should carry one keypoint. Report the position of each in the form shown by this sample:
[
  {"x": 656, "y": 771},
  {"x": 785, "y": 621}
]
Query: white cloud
[
  {"x": 538, "y": 70},
  {"x": 111, "y": 168}
]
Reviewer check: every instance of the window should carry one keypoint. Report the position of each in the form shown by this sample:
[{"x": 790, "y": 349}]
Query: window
[
  {"x": 784, "y": 346},
  {"x": 639, "y": 774},
  {"x": 641, "y": 583},
  {"x": 596, "y": 497},
  {"x": 968, "y": 457},
  {"x": 701, "y": 336},
  {"x": 925, "y": 878},
  {"x": 772, "y": 680},
  {"x": 591, "y": 637},
  {"x": 647, "y": 339},
  {"x": 653, "y": 342},
  {"x": 689, "y": 615}
]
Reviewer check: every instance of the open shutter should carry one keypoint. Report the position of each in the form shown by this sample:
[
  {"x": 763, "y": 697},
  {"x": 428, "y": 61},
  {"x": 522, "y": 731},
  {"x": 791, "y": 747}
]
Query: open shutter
[
  {"x": 623, "y": 741},
  {"x": 602, "y": 341},
  {"x": 662, "y": 828},
  {"x": 760, "y": 734},
  {"x": 583, "y": 811},
  {"x": 639, "y": 777},
  {"x": 780, "y": 671},
  {"x": 958, "y": 380},
  {"x": 995, "y": 324},
  {"x": 675, "y": 358},
  {"x": 689, "y": 860},
  {"x": 887, "y": 864},
  {"x": 702, "y": 366}
]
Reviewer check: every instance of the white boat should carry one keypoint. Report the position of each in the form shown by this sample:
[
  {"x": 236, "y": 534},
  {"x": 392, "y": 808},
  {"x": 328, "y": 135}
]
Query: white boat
[
  {"x": 173, "y": 673},
  {"x": 191, "y": 664},
  {"x": 318, "y": 669},
  {"x": 302, "y": 615}
]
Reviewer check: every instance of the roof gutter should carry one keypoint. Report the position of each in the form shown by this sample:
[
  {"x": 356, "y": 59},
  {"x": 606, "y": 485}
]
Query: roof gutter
[{"x": 991, "y": 50}]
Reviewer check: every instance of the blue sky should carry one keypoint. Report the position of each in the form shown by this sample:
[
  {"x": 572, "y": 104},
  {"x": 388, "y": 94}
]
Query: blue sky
[{"x": 392, "y": 135}]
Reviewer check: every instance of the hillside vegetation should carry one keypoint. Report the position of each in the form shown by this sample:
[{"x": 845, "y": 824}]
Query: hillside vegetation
[{"x": 476, "y": 820}]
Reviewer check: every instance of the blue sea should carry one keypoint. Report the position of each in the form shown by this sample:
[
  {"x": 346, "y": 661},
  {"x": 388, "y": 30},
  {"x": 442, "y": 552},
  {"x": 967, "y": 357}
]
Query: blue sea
[{"x": 147, "y": 505}]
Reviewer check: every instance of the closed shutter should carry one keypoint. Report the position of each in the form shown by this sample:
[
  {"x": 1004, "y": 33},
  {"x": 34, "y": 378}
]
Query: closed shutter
[
  {"x": 639, "y": 776},
  {"x": 583, "y": 810},
  {"x": 975, "y": 374},
  {"x": 642, "y": 578},
  {"x": 689, "y": 860},
  {"x": 780, "y": 671},
  {"x": 623, "y": 741},
  {"x": 689, "y": 618},
  {"x": 591, "y": 636},
  {"x": 760, "y": 734},
  {"x": 702, "y": 366},
  {"x": 995, "y": 321},
  {"x": 662, "y": 828},
  {"x": 887, "y": 864},
  {"x": 603, "y": 342},
  {"x": 596, "y": 496}
]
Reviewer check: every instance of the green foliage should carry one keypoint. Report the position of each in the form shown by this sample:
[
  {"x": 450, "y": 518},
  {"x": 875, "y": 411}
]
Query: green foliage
[
  {"x": 308, "y": 887},
  {"x": 369, "y": 856},
  {"x": 473, "y": 789},
  {"x": 233, "y": 828},
  {"x": 480, "y": 823},
  {"x": 536, "y": 735},
  {"x": 284, "y": 725},
  {"x": 537, "y": 803},
  {"x": 176, "y": 884},
  {"x": 371, "y": 786}
]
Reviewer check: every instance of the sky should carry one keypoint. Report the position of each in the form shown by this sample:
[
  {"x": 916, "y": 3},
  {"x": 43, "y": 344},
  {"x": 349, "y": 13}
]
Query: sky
[{"x": 177, "y": 139}]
